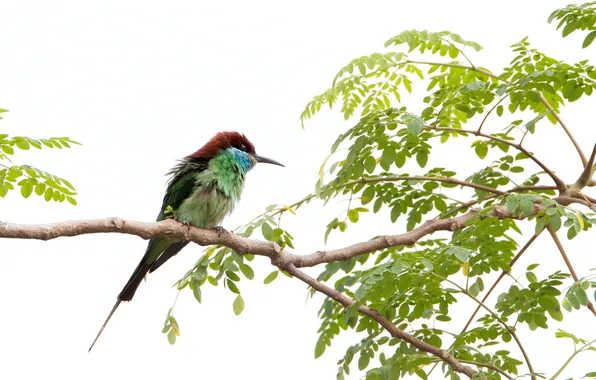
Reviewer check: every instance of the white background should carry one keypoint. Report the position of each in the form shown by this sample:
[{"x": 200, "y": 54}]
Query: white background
[{"x": 142, "y": 83}]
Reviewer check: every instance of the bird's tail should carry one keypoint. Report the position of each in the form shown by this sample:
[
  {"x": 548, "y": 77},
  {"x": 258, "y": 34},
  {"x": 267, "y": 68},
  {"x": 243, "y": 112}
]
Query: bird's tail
[
  {"x": 135, "y": 280},
  {"x": 105, "y": 324},
  {"x": 127, "y": 292}
]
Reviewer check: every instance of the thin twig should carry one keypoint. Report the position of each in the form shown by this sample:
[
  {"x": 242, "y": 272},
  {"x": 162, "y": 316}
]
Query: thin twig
[
  {"x": 510, "y": 330},
  {"x": 568, "y": 263},
  {"x": 503, "y": 273},
  {"x": 557, "y": 117},
  {"x": 426, "y": 178},
  {"x": 489, "y": 112},
  {"x": 558, "y": 181},
  {"x": 390, "y": 327},
  {"x": 543, "y": 100},
  {"x": 488, "y": 293},
  {"x": 582, "y": 349},
  {"x": 487, "y": 365}
]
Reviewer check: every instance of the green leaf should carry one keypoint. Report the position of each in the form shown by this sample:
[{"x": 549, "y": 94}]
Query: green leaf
[
  {"x": 481, "y": 150},
  {"x": 267, "y": 231},
  {"x": 232, "y": 286},
  {"x": 367, "y": 195},
  {"x": 414, "y": 126},
  {"x": 531, "y": 277},
  {"x": 48, "y": 194},
  {"x": 40, "y": 188},
  {"x": 404, "y": 310},
  {"x": 319, "y": 348},
  {"x": 353, "y": 215},
  {"x": 360, "y": 293},
  {"x": 427, "y": 264},
  {"x": 422, "y": 158},
  {"x": 362, "y": 68},
  {"x": 589, "y": 38},
  {"x": 569, "y": 28},
  {"x": 363, "y": 361},
  {"x": 196, "y": 291},
  {"x": 557, "y": 315},
  {"x": 369, "y": 164},
  {"x": 474, "y": 289},
  {"x": 400, "y": 159},
  {"x": 247, "y": 271},
  {"x": 7, "y": 149},
  {"x": 461, "y": 255},
  {"x": 555, "y": 222},
  {"x": 238, "y": 305},
  {"x": 270, "y": 277},
  {"x": 26, "y": 189},
  {"x": 582, "y": 297},
  {"x": 172, "y": 336},
  {"x": 527, "y": 206},
  {"x": 22, "y": 144},
  {"x": 388, "y": 156}
]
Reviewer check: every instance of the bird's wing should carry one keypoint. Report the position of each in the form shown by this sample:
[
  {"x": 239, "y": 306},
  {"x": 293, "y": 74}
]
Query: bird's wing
[{"x": 180, "y": 186}]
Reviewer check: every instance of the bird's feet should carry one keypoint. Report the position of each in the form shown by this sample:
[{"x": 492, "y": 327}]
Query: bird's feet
[
  {"x": 186, "y": 224},
  {"x": 220, "y": 230}
]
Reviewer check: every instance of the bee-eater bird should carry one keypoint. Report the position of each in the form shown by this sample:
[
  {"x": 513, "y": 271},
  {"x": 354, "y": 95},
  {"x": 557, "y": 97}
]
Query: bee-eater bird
[{"x": 203, "y": 189}]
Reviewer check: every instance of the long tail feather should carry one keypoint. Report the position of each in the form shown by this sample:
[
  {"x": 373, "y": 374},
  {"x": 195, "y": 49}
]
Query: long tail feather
[
  {"x": 105, "y": 324},
  {"x": 154, "y": 248}
]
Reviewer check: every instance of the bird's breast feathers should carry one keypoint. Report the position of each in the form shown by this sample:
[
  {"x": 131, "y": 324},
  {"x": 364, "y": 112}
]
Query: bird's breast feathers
[{"x": 206, "y": 207}]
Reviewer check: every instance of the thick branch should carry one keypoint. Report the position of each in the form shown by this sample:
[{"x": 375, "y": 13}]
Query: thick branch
[{"x": 280, "y": 258}]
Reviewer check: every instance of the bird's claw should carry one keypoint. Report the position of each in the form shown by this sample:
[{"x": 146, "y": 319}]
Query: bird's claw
[
  {"x": 186, "y": 224},
  {"x": 220, "y": 230}
]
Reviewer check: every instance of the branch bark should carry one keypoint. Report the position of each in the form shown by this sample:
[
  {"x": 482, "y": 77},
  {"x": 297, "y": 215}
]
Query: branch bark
[{"x": 279, "y": 257}]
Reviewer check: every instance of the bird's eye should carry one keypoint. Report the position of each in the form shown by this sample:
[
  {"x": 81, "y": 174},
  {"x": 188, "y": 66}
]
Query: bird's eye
[{"x": 243, "y": 147}]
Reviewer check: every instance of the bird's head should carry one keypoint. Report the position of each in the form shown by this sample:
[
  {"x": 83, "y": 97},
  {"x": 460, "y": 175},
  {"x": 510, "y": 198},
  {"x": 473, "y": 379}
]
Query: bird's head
[{"x": 235, "y": 144}]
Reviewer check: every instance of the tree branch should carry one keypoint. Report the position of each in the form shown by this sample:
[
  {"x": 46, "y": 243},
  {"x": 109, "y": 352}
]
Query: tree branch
[
  {"x": 568, "y": 263},
  {"x": 426, "y": 178},
  {"x": 488, "y": 293},
  {"x": 280, "y": 258},
  {"x": 542, "y": 99},
  {"x": 390, "y": 327},
  {"x": 561, "y": 186},
  {"x": 489, "y": 366},
  {"x": 582, "y": 156}
]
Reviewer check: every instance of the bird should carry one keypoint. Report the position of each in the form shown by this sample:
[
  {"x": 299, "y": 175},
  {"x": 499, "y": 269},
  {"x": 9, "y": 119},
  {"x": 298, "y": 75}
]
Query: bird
[{"x": 203, "y": 189}]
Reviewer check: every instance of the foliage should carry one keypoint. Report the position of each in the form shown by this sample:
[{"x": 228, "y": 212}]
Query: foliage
[
  {"x": 31, "y": 179},
  {"x": 577, "y": 17},
  {"x": 384, "y": 166}
]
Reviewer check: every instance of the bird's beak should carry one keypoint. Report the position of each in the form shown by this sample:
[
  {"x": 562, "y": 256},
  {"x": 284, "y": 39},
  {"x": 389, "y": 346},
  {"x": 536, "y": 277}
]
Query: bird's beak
[{"x": 266, "y": 160}]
